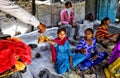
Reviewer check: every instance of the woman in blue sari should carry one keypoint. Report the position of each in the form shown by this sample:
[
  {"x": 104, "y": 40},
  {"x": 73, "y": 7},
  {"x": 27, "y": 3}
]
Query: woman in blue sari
[
  {"x": 61, "y": 53},
  {"x": 87, "y": 46}
]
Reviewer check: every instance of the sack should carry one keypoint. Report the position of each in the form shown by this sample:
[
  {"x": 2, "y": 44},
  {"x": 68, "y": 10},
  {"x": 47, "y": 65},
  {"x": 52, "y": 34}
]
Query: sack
[
  {"x": 114, "y": 66},
  {"x": 111, "y": 71}
]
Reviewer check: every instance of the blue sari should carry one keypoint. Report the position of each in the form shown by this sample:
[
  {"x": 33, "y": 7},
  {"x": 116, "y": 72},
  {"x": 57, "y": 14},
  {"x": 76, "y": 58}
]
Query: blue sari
[
  {"x": 91, "y": 52},
  {"x": 63, "y": 54}
]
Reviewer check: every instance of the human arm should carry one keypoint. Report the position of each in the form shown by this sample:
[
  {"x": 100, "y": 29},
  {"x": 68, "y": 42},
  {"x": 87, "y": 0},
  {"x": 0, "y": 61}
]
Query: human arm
[
  {"x": 80, "y": 48},
  {"x": 51, "y": 42},
  {"x": 103, "y": 31},
  {"x": 18, "y": 12}
]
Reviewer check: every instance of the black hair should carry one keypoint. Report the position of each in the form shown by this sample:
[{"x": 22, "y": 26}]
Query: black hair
[
  {"x": 89, "y": 29},
  {"x": 61, "y": 29},
  {"x": 67, "y": 3},
  {"x": 104, "y": 20},
  {"x": 88, "y": 17}
]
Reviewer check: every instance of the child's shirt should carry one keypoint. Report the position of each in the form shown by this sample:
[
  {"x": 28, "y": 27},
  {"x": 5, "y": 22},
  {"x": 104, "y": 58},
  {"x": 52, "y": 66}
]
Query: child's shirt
[{"x": 90, "y": 49}]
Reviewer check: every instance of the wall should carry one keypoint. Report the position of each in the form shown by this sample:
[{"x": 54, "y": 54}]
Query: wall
[
  {"x": 118, "y": 10},
  {"x": 91, "y": 7}
]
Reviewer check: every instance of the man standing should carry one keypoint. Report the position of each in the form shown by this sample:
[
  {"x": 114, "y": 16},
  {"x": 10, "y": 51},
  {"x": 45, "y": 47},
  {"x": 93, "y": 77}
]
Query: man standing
[{"x": 68, "y": 21}]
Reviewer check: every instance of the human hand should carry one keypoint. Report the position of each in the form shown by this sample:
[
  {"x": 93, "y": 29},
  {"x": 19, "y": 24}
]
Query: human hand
[
  {"x": 83, "y": 51},
  {"x": 95, "y": 57},
  {"x": 42, "y": 28}
]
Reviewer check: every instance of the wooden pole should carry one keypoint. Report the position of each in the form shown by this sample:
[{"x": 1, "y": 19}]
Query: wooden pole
[{"x": 33, "y": 11}]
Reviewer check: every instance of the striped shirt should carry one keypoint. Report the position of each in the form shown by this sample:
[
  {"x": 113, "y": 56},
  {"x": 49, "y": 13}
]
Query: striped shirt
[{"x": 102, "y": 32}]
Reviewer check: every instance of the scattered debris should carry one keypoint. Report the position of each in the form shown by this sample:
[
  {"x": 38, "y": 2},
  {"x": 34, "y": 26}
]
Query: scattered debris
[
  {"x": 45, "y": 73},
  {"x": 37, "y": 55},
  {"x": 32, "y": 45},
  {"x": 44, "y": 48}
]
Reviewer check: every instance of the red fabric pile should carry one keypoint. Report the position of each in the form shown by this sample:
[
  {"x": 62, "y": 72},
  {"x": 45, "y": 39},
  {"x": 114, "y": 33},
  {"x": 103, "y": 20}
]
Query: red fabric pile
[{"x": 10, "y": 50}]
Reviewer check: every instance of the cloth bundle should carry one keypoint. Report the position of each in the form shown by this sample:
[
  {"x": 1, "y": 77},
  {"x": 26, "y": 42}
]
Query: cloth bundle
[
  {"x": 13, "y": 55},
  {"x": 110, "y": 72},
  {"x": 42, "y": 39}
]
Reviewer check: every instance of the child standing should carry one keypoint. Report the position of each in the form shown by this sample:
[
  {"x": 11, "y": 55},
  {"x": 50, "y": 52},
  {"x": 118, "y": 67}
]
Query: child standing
[
  {"x": 61, "y": 53},
  {"x": 87, "y": 46}
]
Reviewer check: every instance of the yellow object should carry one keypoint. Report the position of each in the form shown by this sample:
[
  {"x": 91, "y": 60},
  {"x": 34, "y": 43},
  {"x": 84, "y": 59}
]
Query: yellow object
[
  {"x": 19, "y": 66},
  {"x": 117, "y": 75},
  {"x": 43, "y": 39},
  {"x": 7, "y": 73},
  {"x": 107, "y": 73},
  {"x": 110, "y": 72},
  {"x": 15, "y": 39},
  {"x": 114, "y": 66}
]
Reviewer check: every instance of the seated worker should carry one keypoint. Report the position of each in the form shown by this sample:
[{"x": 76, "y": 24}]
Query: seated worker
[
  {"x": 88, "y": 47},
  {"x": 63, "y": 58},
  {"x": 115, "y": 52},
  {"x": 113, "y": 62},
  {"x": 67, "y": 20},
  {"x": 90, "y": 17},
  {"x": 102, "y": 35}
]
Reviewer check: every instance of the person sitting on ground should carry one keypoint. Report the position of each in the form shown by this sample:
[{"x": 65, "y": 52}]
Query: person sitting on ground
[
  {"x": 88, "y": 47},
  {"x": 61, "y": 54},
  {"x": 115, "y": 52},
  {"x": 114, "y": 61},
  {"x": 102, "y": 35},
  {"x": 68, "y": 20},
  {"x": 90, "y": 17}
]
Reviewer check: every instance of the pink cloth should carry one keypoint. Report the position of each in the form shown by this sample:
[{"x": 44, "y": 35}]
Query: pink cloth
[{"x": 65, "y": 18}]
